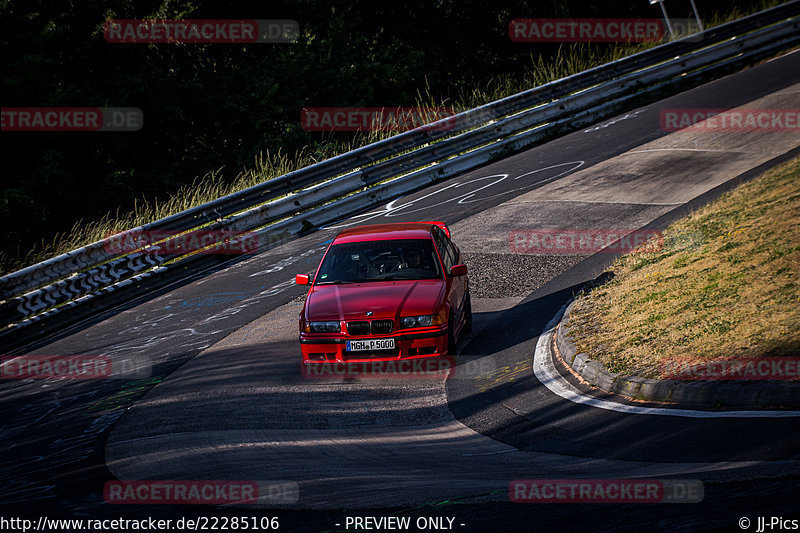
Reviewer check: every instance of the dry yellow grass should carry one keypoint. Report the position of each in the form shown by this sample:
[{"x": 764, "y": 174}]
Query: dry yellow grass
[{"x": 724, "y": 283}]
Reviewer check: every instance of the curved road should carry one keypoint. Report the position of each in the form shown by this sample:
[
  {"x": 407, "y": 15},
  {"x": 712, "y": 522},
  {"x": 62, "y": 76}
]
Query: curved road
[{"x": 229, "y": 401}]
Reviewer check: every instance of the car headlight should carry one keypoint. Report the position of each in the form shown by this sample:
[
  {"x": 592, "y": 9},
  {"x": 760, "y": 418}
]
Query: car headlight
[
  {"x": 323, "y": 327},
  {"x": 419, "y": 321}
]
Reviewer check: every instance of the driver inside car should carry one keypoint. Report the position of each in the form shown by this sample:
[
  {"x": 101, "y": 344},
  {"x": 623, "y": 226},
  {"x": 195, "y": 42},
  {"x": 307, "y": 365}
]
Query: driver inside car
[{"x": 413, "y": 258}]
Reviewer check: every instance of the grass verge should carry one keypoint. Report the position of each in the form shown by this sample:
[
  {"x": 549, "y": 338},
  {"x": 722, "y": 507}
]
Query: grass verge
[{"x": 723, "y": 283}]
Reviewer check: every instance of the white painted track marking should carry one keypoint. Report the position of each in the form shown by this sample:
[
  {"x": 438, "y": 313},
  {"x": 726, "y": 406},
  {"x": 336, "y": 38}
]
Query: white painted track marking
[{"x": 545, "y": 371}]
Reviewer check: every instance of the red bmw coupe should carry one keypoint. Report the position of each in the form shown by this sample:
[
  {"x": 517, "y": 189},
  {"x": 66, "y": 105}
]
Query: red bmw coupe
[{"x": 386, "y": 292}]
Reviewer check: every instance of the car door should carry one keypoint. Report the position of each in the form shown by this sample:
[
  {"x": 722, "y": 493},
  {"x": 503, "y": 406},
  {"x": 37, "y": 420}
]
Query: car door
[
  {"x": 456, "y": 286},
  {"x": 459, "y": 289}
]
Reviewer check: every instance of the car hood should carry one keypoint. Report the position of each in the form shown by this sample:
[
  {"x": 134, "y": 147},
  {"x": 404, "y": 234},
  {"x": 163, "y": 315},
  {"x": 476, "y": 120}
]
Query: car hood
[{"x": 384, "y": 299}]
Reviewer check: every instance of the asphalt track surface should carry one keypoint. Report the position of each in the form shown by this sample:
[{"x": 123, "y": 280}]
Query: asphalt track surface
[{"x": 221, "y": 395}]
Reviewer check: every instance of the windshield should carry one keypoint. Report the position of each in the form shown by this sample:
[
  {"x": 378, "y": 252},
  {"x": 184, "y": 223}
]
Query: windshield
[{"x": 379, "y": 261}]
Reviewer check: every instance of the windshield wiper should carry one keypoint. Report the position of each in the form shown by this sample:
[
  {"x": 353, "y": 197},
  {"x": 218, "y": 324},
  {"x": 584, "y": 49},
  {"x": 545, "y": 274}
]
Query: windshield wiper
[{"x": 398, "y": 278}]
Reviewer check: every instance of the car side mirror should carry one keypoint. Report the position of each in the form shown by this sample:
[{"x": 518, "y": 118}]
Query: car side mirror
[
  {"x": 458, "y": 270},
  {"x": 302, "y": 279}
]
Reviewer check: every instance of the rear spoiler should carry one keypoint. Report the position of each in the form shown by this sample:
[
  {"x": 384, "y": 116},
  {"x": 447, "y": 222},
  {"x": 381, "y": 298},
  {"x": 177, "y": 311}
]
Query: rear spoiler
[{"x": 440, "y": 224}]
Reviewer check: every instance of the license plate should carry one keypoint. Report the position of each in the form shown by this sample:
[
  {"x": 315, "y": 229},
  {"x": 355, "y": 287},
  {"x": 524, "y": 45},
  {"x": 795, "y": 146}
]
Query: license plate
[{"x": 368, "y": 345}]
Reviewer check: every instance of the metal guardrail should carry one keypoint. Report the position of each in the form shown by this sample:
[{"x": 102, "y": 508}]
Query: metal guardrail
[{"x": 476, "y": 135}]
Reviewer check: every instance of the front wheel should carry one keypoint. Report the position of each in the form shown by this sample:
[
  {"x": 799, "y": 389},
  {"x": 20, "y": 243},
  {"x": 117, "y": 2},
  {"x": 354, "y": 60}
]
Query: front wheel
[
  {"x": 451, "y": 335},
  {"x": 467, "y": 314}
]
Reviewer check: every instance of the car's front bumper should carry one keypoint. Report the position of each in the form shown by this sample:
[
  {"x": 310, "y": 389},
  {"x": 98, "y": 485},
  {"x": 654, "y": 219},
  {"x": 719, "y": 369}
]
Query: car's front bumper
[{"x": 418, "y": 343}]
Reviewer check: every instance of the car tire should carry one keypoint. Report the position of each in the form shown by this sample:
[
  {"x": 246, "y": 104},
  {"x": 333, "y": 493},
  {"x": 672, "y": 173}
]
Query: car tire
[
  {"x": 467, "y": 315},
  {"x": 451, "y": 335}
]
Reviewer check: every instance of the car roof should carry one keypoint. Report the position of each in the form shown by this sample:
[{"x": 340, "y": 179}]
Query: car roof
[{"x": 382, "y": 232}]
